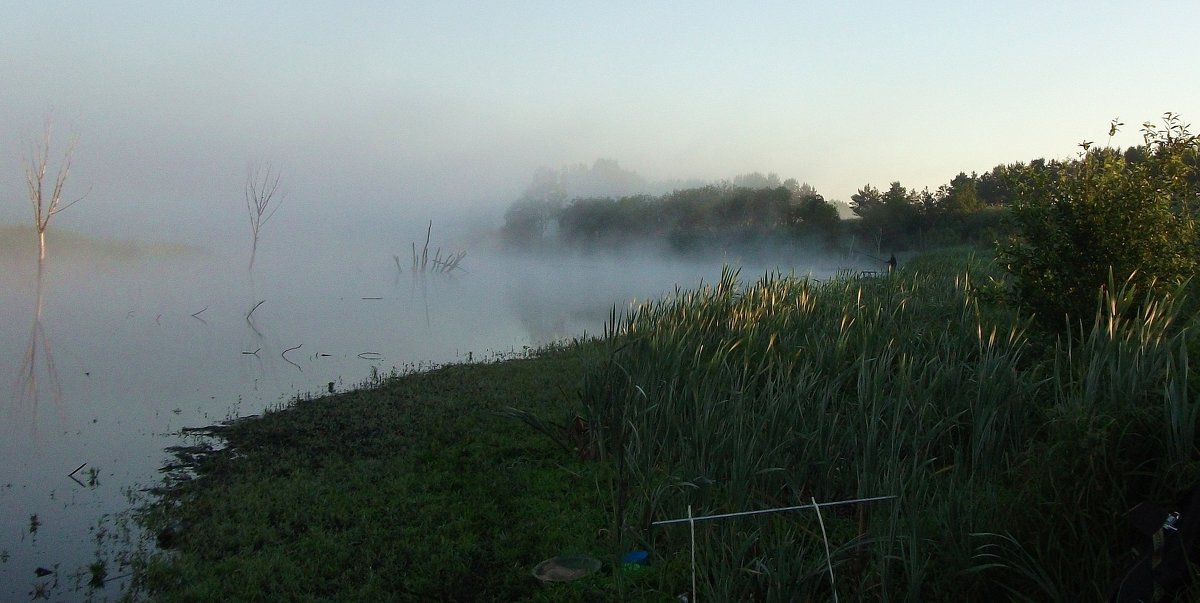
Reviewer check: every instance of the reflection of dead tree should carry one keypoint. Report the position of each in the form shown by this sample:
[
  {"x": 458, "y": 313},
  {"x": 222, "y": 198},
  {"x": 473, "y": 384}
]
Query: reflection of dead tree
[
  {"x": 45, "y": 202},
  {"x": 251, "y": 322},
  {"x": 423, "y": 263},
  {"x": 38, "y": 349},
  {"x": 262, "y": 184}
]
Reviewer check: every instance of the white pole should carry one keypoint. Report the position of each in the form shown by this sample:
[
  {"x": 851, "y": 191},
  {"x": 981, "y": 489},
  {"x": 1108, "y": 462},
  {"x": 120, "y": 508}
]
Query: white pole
[{"x": 690, "y": 519}]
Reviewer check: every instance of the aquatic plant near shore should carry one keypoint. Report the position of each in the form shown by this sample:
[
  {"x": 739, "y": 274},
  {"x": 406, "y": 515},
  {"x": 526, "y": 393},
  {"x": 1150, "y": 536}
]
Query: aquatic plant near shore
[
  {"x": 731, "y": 398},
  {"x": 422, "y": 263}
]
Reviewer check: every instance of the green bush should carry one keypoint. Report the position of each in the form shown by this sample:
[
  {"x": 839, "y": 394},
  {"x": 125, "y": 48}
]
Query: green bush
[{"x": 1104, "y": 217}]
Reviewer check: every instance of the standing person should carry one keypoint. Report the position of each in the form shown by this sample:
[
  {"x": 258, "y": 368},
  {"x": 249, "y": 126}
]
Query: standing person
[{"x": 891, "y": 263}]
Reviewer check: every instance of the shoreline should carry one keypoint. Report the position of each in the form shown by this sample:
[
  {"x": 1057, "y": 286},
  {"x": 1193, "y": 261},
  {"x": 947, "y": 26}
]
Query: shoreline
[{"x": 418, "y": 484}]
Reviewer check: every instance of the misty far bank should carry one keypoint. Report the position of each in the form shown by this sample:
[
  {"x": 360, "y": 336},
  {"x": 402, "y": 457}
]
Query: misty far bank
[
  {"x": 602, "y": 208},
  {"x": 759, "y": 217}
]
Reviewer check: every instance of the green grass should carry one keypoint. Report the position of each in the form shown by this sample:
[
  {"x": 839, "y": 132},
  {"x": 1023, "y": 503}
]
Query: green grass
[{"x": 413, "y": 489}]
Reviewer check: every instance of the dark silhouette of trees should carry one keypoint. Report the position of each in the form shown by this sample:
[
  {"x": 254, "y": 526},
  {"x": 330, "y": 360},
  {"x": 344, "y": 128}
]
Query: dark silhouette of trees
[{"x": 960, "y": 197}]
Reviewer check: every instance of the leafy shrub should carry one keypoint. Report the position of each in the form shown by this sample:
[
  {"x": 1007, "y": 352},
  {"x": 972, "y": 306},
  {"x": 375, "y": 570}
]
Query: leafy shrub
[{"x": 1104, "y": 217}]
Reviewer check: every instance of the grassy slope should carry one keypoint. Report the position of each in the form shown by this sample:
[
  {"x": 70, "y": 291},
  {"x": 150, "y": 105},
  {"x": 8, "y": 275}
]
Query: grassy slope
[{"x": 412, "y": 490}]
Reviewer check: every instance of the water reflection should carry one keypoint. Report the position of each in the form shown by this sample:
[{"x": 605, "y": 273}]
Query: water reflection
[
  {"x": 30, "y": 376},
  {"x": 446, "y": 285}
]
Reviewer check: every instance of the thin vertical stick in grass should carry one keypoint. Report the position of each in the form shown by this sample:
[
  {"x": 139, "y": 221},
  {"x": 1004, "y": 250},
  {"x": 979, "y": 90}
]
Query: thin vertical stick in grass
[
  {"x": 828, "y": 557},
  {"x": 692, "y": 530}
]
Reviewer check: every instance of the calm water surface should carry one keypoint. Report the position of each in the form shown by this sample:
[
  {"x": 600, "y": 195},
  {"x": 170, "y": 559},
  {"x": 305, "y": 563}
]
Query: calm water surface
[{"x": 110, "y": 356}]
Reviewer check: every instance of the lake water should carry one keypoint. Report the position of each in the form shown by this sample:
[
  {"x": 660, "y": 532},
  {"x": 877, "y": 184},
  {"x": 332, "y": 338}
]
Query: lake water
[{"x": 104, "y": 362}]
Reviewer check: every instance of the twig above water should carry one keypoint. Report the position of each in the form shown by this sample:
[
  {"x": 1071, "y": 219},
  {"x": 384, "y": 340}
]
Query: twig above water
[
  {"x": 75, "y": 479},
  {"x": 285, "y": 358},
  {"x": 253, "y": 309}
]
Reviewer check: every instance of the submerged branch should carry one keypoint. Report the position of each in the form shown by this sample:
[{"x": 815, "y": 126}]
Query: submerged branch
[
  {"x": 253, "y": 309},
  {"x": 285, "y": 358}
]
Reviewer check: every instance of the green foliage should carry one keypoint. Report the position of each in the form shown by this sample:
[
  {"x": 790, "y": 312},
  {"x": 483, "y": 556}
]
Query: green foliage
[
  {"x": 526, "y": 221},
  {"x": 812, "y": 215},
  {"x": 1105, "y": 218},
  {"x": 1012, "y": 460},
  {"x": 414, "y": 489},
  {"x": 961, "y": 197},
  {"x": 866, "y": 201},
  {"x": 698, "y": 219},
  {"x": 889, "y": 220},
  {"x": 753, "y": 212}
]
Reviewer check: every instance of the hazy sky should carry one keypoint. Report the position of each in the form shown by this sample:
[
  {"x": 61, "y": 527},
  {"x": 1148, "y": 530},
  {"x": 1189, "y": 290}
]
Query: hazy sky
[{"x": 378, "y": 111}]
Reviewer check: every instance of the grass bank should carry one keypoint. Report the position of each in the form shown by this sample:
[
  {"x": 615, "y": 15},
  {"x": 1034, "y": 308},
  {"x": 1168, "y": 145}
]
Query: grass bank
[
  {"x": 1013, "y": 455},
  {"x": 421, "y": 487}
]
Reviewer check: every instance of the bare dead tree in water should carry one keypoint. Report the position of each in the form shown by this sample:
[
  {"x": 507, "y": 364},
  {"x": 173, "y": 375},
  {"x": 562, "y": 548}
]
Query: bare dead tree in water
[
  {"x": 46, "y": 198},
  {"x": 262, "y": 200}
]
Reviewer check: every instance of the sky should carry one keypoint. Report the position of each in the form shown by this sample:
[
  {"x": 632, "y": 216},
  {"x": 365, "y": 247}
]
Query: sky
[{"x": 381, "y": 113}]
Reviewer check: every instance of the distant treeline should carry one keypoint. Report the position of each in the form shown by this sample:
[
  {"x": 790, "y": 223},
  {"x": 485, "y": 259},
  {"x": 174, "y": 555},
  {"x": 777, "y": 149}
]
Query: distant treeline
[{"x": 757, "y": 209}]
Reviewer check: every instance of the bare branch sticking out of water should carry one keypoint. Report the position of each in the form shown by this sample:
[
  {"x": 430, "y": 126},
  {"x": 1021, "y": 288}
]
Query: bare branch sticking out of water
[
  {"x": 196, "y": 314},
  {"x": 253, "y": 309},
  {"x": 285, "y": 358},
  {"x": 254, "y": 353},
  {"x": 422, "y": 263},
  {"x": 75, "y": 479}
]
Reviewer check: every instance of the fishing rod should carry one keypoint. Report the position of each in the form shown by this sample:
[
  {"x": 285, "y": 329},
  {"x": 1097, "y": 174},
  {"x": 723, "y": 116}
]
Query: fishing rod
[{"x": 778, "y": 510}]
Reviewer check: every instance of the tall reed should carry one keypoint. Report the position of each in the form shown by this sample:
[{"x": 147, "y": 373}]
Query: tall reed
[{"x": 1008, "y": 459}]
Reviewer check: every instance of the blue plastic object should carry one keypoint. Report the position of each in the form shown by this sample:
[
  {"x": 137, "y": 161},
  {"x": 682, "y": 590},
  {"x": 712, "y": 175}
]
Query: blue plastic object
[{"x": 636, "y": 558}]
